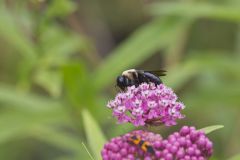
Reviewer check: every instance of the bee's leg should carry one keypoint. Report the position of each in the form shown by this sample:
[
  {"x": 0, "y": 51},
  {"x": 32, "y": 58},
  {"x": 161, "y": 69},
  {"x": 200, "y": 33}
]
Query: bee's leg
[
  {"x": 135, "y": 83},
  {"x": 128, "y": 82},
  {"x": 142, "y": 78}
]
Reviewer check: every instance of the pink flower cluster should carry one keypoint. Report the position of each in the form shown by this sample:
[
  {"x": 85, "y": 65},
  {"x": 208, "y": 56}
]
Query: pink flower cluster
[
  {"x": 187, "y": 144},
  {"x": 147, "y": 104}
]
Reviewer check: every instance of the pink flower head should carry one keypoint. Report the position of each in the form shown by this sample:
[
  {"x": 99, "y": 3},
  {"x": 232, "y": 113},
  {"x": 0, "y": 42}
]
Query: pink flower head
[
  {"x": 147, "y": 104},
  {"x": 188, "y": 144}
]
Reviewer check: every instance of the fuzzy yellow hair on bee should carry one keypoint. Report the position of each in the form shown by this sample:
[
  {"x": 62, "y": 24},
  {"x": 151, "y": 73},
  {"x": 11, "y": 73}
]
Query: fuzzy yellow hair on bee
[{"x": 144, "y": 145}]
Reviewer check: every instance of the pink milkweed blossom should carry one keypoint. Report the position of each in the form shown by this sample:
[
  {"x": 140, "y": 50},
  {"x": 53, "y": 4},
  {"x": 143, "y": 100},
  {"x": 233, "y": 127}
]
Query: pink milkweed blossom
[
  {"x": 187, "y": 144},
  {"x": 147, "y": 104}
]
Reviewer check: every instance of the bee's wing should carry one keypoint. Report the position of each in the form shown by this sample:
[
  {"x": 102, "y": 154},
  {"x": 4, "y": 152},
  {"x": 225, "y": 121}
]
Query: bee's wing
[{"x": 158, "y": 72}]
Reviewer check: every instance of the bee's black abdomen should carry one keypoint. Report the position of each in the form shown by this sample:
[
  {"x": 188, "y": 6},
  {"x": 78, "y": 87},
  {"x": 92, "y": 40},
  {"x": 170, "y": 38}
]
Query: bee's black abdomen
[
  {"x": 142, "y": 78},
  {"x": 152, "y": 78}
]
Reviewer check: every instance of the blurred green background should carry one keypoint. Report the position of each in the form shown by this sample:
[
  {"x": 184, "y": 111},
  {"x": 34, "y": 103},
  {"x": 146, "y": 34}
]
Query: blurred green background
[{"x": 59, "y": 60}]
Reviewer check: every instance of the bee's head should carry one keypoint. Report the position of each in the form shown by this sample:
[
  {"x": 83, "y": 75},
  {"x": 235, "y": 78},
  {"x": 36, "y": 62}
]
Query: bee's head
[{"x": 122, "y": 82}]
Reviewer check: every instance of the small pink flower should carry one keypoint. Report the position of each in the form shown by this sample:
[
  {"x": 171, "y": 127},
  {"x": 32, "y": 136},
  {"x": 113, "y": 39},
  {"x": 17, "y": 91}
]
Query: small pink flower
[{"x": 147, "y": 104}]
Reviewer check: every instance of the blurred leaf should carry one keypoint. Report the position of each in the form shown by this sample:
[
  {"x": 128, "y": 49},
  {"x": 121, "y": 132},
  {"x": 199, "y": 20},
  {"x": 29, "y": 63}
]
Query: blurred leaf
[
  {"x": 218, "y": 96},
  {"x": 197, "y": 10},
  {"x": 61, "y": 140},
  {"x": 18, "y": 124},
  {"x": 14, "y": 29},
  {"x": 51, "y": 81},
  {"x": 24, "y": 75},
  {"x": 213, "y": 72},
  {"x": 10, "y": 30},
  {"x": 176, "y": 50},
  {"x": 236, "y": 157},
  {"x": 59, "y": 46},
  {"x": 178, "y": 75},
  {"x": 199, "y": 64},
  {"x": 87, "y": 151},
  {"x": 60, "y": 8},
  {"x": 210, "y": 129},
  {"x": 94, "y": 134},
  {"x": 28, "y": 102},
  {"x": 64, "y": 158},
  {"x": 143, "y": 43},
  {"x": 79, "y": 88}
]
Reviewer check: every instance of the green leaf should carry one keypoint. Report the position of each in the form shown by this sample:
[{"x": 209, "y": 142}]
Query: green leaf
[
  {"x": 60, "y": 8},
  {"x": 182, "y": 72},
  {"x": 142, "y": 44},
  {"x": 203, "y": 95},
  {"x": 197, "y": 10},
  {"x": 59, "y": 139},
  {"x": 20, "y": 123},
  {"x": 210, "y": 129},
  {"x": 50, "y": 80},
  {"x": 77, "y": 83},
  {"x": 58, "y": 46},
  {"x": 85, "y": 147},
  {"x": 10, "y": 31},
  {"x": 236, "y": 157},
  {"x": 15, "y": 30},
  {"x": 211, "y": 72},
  {"x": 213, "y": 158},
  {"x": 28, "y": 102},
  {"x": 94, "y": 134}
]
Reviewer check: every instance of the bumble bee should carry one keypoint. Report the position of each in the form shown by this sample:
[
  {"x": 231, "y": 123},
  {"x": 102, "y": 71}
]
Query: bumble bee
[
  {"x": 136, "y": 77},
  {"x": 144, "y": 145}
]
